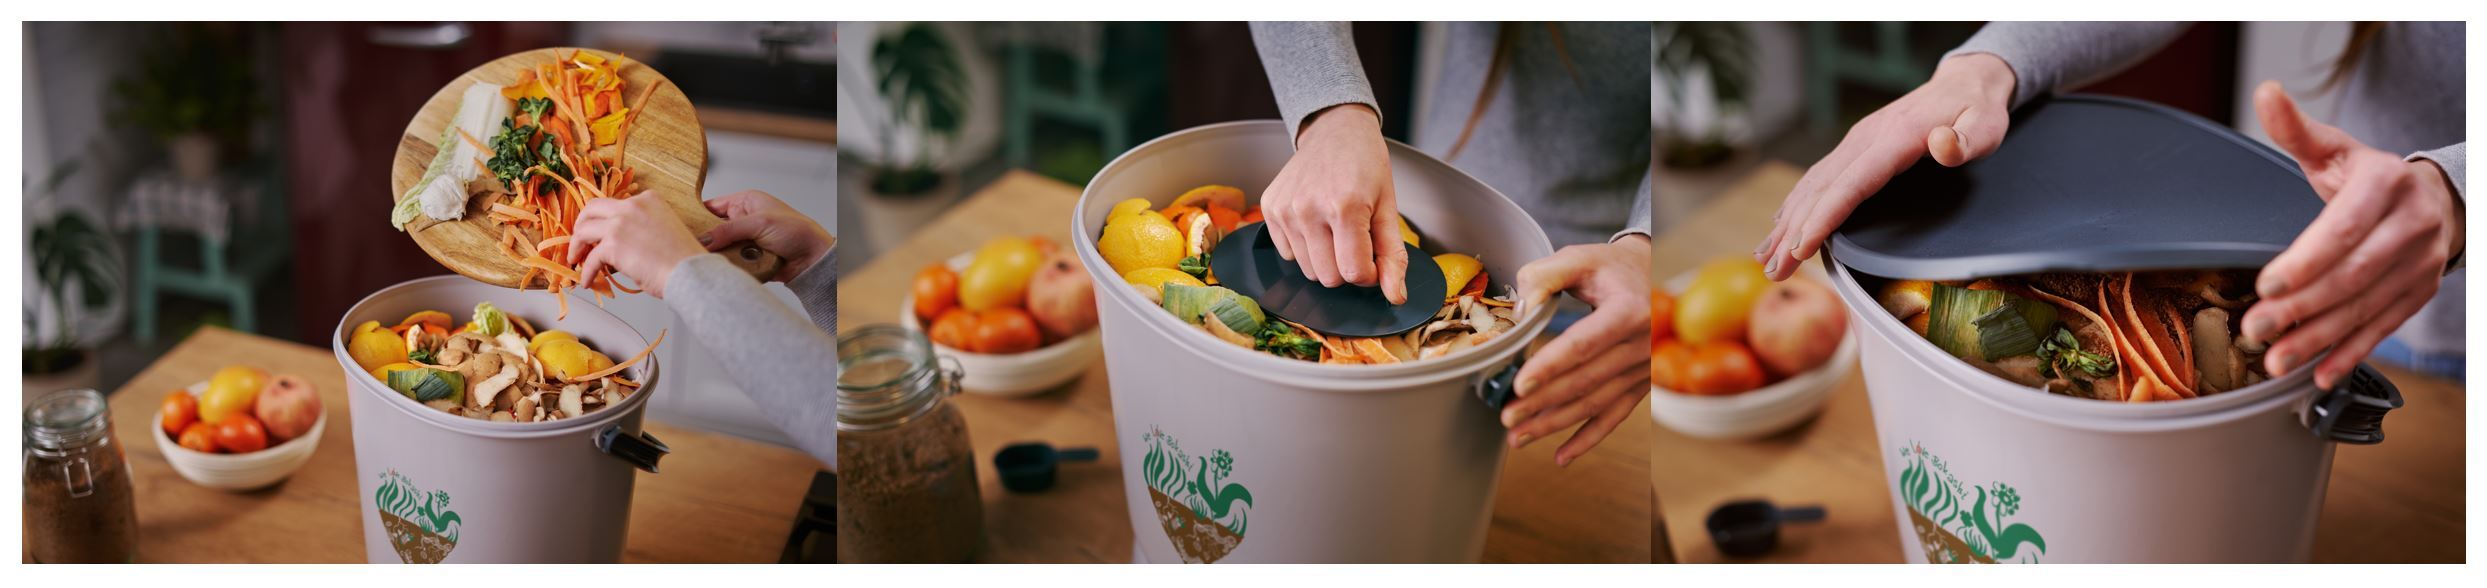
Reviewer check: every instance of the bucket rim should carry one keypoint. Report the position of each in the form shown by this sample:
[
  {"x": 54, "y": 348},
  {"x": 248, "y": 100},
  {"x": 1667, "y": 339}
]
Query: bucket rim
[
  {"x": 2294, "y": 389},
  {"x": 1365, "y": 378},
  {"x": 362, "y": 382}
]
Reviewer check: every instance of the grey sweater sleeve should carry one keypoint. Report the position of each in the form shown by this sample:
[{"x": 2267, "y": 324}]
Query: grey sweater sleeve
[
  {"x": 2047, "y": 57},
  {"x": 817, "y": 289},
  {"x": 2453, "y": 158},
  {"x": 1311, "y": 66},
  {"x": 783, "y": 362},
  {"x": 1639, "y": 222}
]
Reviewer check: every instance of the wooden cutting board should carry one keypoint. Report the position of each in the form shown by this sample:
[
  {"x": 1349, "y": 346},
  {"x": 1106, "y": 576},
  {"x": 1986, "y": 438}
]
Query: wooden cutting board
[{"x": 666, "y": 146}]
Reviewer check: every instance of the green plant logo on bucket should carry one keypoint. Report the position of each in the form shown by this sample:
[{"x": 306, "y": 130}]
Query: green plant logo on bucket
[
  {"x": 1202, "y": 512},
  {"x": 1963, "y": 524},
  {"x": 420, "y": 524}
]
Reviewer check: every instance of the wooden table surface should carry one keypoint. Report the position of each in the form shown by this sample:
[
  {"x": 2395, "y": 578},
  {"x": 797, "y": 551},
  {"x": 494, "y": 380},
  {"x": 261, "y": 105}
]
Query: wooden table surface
[
  {"x": 719, "y": 500},
  {"x": 2398, "y": 501},
  {"x": 1596, "y": 510}
]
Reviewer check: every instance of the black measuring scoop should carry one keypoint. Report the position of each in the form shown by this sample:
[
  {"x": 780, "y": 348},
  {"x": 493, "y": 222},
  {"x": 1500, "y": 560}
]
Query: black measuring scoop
[
  {"x": 1247, "y": 262},
  {"x": 1030, "y": 467},
  {"x": 1746, "y": 528}
]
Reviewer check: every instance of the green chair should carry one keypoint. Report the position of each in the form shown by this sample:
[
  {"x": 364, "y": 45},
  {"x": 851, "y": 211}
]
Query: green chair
[{"x": 241, "y": 240}]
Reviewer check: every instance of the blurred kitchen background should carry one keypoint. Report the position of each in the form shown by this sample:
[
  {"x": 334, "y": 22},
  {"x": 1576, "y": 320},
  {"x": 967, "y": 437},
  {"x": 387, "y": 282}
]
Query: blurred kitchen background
[
  {"x": 1056, "y": 98},
  {"x": 1732, "y": 96},
  {"x": 237, "y": 174}
]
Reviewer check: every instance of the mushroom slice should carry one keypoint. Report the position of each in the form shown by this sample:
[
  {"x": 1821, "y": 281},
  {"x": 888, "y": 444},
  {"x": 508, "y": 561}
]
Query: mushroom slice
[
  {"x": 487, "y": 392},
  {"x": 570, "y": 401}
]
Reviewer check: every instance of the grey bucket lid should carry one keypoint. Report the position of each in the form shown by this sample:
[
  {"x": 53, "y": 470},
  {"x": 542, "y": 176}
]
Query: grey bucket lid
[
  {"x": 2086, "y": 183},
  {"x": 1248, "y": 263}
]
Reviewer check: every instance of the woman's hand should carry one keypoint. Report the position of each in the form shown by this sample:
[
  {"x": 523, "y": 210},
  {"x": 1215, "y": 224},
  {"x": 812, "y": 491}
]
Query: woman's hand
[
  {"x": 1332, "y": 209},
  {"x": 1957, "y": 116},
  {"x": 637, "y": 236},
  {"x": 767, "y": 222},
  {"x": 2369, "y": 261},
  {"x": 1598, "y": 370}
]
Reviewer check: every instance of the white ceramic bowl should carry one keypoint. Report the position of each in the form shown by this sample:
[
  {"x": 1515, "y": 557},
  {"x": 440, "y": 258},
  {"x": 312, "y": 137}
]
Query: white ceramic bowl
[
  {"x": 1012, "y": 374},
  {"x": 238, "y": 471},
  {"x": 1760, "y": 412}
]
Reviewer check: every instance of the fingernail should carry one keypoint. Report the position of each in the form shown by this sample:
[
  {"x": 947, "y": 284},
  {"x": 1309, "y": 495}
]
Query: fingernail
[
  {"x": 2261, "y": 329},
  {"x": 1526, "y": 387},
  {"x": 2274, "y": 287},
  {"x": 1562, "y": 461},
  {"x": 704, "y": 239},
  {"x": 1522, "y": 441},
  {"x": 2288, "y": 362},
  {"x": 1771, "y": 269}
]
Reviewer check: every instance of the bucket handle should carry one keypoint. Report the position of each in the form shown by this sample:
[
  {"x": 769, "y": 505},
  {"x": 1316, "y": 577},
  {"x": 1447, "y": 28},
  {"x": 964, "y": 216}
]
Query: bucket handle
[
  {"x": 2352, "y": 412},
  {"x": 641, "y": 449},
  {"x": 1497, "y": 389}
]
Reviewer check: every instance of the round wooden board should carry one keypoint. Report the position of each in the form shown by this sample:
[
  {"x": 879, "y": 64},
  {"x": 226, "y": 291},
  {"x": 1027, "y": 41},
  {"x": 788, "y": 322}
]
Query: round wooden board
[{"x": 666, "y": 146}]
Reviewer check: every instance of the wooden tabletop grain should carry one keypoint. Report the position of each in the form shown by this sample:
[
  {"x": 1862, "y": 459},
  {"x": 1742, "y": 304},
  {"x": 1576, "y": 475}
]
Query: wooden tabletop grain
[
  {"x": 1596, "y": 510},
  {"x": 2398, "y": 501},
  {"x": 719, "y": 499}
]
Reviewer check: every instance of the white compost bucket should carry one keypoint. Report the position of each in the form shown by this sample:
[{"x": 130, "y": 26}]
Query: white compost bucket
[
  {"x": 439, "y": 488},
  {"x": 1231, "y": 455},
  {"x": 1982, "y": 469}
]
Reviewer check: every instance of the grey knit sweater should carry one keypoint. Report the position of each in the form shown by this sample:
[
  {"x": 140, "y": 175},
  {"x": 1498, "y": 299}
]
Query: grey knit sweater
[
  {"x": 786, "y": 364},
  {"x": 2405, "y": 95},
  {"x": 1569, "y": 144}
]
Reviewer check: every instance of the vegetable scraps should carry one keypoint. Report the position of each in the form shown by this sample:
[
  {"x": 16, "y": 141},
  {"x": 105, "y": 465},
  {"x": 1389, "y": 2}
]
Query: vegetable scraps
[
  {"x": 496, "y": 367},
  {"x": 1165, "y": 255},
  {"x": 2127, "y": 337},
  {"x": 561, "y": 135}
]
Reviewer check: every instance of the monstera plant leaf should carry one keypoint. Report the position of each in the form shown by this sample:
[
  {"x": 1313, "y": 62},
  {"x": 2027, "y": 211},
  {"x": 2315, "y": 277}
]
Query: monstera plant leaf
[{"x": 921, "y": 78}]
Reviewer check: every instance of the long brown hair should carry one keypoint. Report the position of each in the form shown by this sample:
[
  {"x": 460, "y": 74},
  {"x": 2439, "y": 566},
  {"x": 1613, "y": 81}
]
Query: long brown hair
[
  {"x": 2362, "y": 36},
  {"x": 1505, "y": 36}
]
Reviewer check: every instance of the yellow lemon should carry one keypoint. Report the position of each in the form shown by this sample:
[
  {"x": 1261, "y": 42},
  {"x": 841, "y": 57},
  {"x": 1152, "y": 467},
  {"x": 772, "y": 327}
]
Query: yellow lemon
[
  {"x": 1716, "y": 306},
  {"x": 231, "y": 392},
  {"x": 547, "y": 337},
  {"x": 373, "y": 346},
  {"x": 383, "y": 373},
  {"x": 1156, "y": 278},
  {"x": 1126, "y": 208},
  {"x": 1141, "y": 241},
  {"x": 570, "y": 359},
  {"x": 1457, "y": 270},
  {"x": 1408, "y": 233}
]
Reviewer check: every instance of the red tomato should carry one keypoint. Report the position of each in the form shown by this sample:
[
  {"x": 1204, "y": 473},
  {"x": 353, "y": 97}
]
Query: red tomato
[
  {"x": 180, "y": 409},
  {"x": 936, "y": 291},
  {"x": 1006, "y": 330},
  {"x": 200, "y": 437},
  {"x": 1661, "y": 315},
  {"x": 1721, "y": 368},
  {"x": 241, "y": 433},
  {"x": 1669, "y": 362},
  {"x": 955, "y": 329}
]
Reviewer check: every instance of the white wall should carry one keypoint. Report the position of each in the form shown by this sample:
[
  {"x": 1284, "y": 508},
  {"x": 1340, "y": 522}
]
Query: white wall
[{"x": 2298, "y": 54}]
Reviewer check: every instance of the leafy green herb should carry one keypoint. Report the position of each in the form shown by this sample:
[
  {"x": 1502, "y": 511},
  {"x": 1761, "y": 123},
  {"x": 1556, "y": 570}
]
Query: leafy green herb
[
  {"x": 535, "y": 108},
  {"x": 423, "y": 356},
  {"x": 2062, "y": 354},
  {"x": 1279, "y": 339},
  {"x": 512, "y": 153},
  {"x": 1197, "y": 266}
]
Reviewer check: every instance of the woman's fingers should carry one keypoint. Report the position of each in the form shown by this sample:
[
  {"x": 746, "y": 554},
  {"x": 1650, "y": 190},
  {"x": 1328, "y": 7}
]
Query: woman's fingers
[
  {"x": 2314, "y": 144},
  {"x": 1313, "y": 247},
  {"x": 1972, "y": 135},
  {"x": 1389, "y": 257},
  {"x": 2299, "y": 332},
  {"x": 1604, "y": 329},
  {"x": 1866, "y": 175},
  {"x": 1352, "y": 240},
  {"x": 2346, "y": 355},
  {"x": 2336, "y": 233},
  {"x": 1625, "y": 405},
  {"x": 1278, "y": 236},
  {"x": 728, "y": 233},
  {"x": 1568, "y": 387},
  {"x": 1550, "y": 419}
]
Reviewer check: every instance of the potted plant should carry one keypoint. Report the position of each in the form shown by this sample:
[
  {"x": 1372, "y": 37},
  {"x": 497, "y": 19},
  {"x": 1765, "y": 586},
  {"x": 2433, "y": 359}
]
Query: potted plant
[
  {"x": 77, "y": 274},
  {"x": 1704, "y": 77},
  {"x": 195, "y": 91},
  {"x": 925, "y": 89}
]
